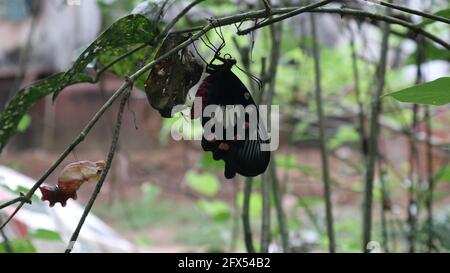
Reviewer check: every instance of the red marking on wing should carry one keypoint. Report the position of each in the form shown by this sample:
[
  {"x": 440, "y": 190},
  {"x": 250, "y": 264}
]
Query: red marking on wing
[{"x": 201, "y": 93}]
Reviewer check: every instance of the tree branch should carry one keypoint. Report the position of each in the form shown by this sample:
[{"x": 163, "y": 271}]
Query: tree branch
[
  {"x": 347, "y": 11},
  {"x": 412, "y": 11},
  {"x": 373, "y": 138},
  {"x": 98, "y": 187},
  {"x": 323, "y": 149},
  {"x": 21, "y": 198},
  {"x": 246, "y": 215},
  {"x": 430, "y": 178},
  {"x": 277, "y": 196},
  {"x": 179, "y": 16},
  {"x": 287, "y": 15},
  {"x": 385, "y": 18}
]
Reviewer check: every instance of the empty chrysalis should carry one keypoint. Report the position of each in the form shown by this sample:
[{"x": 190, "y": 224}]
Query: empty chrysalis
[{"x": 70, "y": 180}]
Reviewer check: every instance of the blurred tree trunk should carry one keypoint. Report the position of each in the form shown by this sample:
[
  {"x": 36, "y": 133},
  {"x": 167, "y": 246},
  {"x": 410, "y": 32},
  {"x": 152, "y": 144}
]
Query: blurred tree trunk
[
  {"x": 373, "y": 136},
  {"x": 323, "y": 149}
]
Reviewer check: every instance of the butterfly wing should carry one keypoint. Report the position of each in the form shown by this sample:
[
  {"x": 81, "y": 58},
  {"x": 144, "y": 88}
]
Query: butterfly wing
[{"x": 241, "y": 156}]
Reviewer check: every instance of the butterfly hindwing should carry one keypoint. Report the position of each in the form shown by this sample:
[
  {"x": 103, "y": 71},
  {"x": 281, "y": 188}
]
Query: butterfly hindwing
[{"x": 241, "y": 156}]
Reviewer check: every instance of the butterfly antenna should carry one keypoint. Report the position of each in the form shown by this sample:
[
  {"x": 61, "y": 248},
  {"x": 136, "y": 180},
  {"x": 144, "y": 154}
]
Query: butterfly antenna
[
  {"x": 198, "y": 53},
  {"x": 210, "y": 43},
  {"x": 220, "y": 34},
  {"x": 253, "y": 77}
]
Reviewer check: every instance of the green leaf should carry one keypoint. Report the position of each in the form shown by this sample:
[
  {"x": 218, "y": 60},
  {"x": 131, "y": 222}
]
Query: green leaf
[
  {"x": 125, "y": 34},
  {"x": 45, "y": 234},
  {"x": 436, "y": 92},
  {"x": 24, "y": 123},
  {"x": 24, "y": 99},
  {"x": 443, "y": 13},
  {"x": 204, "y": 183},
  {"x": 217, "y": 209},
  {"x": 129, "y": 64}
]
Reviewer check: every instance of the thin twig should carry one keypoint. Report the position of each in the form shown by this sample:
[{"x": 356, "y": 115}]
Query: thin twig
[
  {"x": 70, "y": 148},
  {"x": 118, "y": 59},
  {"x": 277, "y": 196},
  {"x": 248, "y": 238},
  {"x": 351, "y": 12},
  {"x": 285, "y": 16},
  {"x": 414, "y": 164},
  {"x": 265, "y": 219},
  {"x": 180, "y": 15},
  {"x": 275, "y": 35},
  {"x": 235, "y": 221},
  {"x": 323, "y": 149},
  {"x": 384, "y": 18},
  {"x": 430, "y": 173},
  {"x": 361, "y": 114},
  {"x": 154, "y": 42},
  {"x": 25, "y": 52},
  {"x": 385, "y": 205},
  {"x": 6, "y": 242},
  {"x": 373, "y": 138},
  {"x": 267, "y": 6},
  {"x": 21, "y": 198},
  {"x": 98, "y": 187},
  {"x": 412, "y": 11}
]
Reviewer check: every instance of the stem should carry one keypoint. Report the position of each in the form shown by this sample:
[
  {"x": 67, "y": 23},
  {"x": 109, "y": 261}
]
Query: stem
[
  {"x": 287, "y": 15},
  {"x": 385, "y": 202},
  {"x": 414, "y": 159},
  {"x": 99, "y": 185},
  {"x": 6, "y": 243},
  {"x": 384, "y": 18},
  {"x": 412, "y": 11},
  {"x": 246, "y": 216},
  {"x": 412, "y": 204},
  {"x": 373, "y": 138},
  {"x": 275, "y": 33},
  {"x": 361, "y": 115},
  {"x": 279, "y": 205},
  {"x": 70, "y": 148},
  {"x": 25, "y": 52},
  {"x": 15, "y": 200},
  {"x": 429, "y": 199},
  {"x": 235, "y": 219},
  {"x": 120, "y": 58},
  {"x": 323, "y": 149},
  {"x": 351, "y": 12},
  {"x": 265, "y": 221},
  {"x": 179, "y": 16}
]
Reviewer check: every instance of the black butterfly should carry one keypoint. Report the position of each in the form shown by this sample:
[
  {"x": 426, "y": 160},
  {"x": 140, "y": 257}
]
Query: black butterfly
[{"x": 242, "y": 154}]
